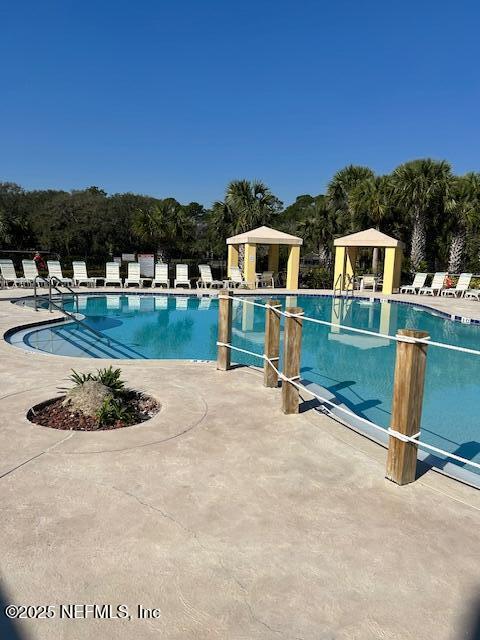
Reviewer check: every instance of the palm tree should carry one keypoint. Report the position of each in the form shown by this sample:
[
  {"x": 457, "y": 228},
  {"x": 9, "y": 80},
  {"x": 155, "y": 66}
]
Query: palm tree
[
  {"x": 246, "y": 205},
  {"x": 464, "y": 205},
  {"x": 339, "y": 192},
  {"x": 316, "y": 230},
  {"x": 370, "y": 201},
  {"x": 162, "y": 224},
  {"x": 420, "y": 186}
]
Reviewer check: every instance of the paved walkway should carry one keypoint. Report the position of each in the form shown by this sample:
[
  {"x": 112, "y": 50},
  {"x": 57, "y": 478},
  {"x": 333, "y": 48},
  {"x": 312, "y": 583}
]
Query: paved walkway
[{"x": 235, "y": 521}]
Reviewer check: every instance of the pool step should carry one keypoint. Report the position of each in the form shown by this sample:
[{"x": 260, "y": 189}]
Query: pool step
[{"x": 85, "y": 343}]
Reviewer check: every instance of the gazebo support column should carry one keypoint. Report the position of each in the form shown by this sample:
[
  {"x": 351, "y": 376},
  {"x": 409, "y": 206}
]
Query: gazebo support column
[
  {"x": 392, "y": 269},
  {"x": 293, "y": 267},
  {"x": 339, "y": 271},
  {"x": 232, "y": 258},
  {"x": 345, "y": 258},
  {"x": 273, "y": 258},
  {"x": 350, "y": 262},
  {"x": 250, "y": 264}
]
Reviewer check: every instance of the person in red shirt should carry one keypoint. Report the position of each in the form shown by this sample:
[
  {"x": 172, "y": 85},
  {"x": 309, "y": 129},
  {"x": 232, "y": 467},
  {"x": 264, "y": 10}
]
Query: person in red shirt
[{"x": 39, "y": 261}]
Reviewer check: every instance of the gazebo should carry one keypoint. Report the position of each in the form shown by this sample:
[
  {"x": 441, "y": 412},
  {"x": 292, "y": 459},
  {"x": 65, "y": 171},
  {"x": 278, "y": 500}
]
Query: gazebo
[
  {"x": 346, "y": 250},
  {"x": 272, "y": 238}
]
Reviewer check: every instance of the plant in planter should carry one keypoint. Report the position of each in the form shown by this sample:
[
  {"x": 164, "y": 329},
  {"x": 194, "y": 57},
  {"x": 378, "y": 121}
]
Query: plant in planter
[{"x": 96, "y": 401}]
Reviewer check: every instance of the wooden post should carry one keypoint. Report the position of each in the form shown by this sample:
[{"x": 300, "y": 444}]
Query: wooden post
[
  {"x": 291, "y": 360},
  {"x": 272, "y": 344},
  {"x": 406, "y": 406},
  {"x": 224, "y": 329}
]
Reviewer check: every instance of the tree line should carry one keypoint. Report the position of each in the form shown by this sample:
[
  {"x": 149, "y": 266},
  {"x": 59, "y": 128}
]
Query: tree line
[{"x": 434, "y": 212}]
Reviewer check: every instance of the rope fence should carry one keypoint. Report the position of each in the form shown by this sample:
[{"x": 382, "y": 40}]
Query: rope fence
[{"x": 404, "y": 431}]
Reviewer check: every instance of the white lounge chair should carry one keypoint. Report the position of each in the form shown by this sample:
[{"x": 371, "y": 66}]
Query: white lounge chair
[
  {"x": 460, "y": 288},
  {"x": 30, "y": 272},
  {"x": 55, "y": 271},
  {"x": 161, "y": 275},
  {"x": 133, "y": 275},
  {"x": 80, "y": 275},
  {"x": 265, "y": 279},
  {"x": 112, "y": 274},
  {"x": 206, "y": 279},
  {"x": 472, "y": 294},
  {"x": 9, "y": 275},
  {"x": 236, "y": 278},
  {"x": 369, "y": 282},
  {"x": 181, "y": 276},
  {"x": 417, "y": 284},
  {"x": 436, "y": 286}
]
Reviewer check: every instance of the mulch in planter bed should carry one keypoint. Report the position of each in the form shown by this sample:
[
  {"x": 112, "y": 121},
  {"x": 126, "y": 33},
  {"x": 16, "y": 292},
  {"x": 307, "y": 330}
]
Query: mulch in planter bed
[{"x": 56, "y": 416}]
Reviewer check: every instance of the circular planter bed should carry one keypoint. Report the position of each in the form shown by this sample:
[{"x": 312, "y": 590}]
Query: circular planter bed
[{"x": 55, "y": 414}]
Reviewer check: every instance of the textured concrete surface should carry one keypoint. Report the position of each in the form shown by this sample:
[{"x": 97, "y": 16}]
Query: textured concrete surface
[{"x": 234, "y": 520}]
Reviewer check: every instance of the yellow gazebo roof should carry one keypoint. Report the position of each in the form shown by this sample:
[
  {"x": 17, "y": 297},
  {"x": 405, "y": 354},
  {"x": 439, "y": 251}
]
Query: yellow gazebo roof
[
  {"x": 368, "y": 238},
  {"x": 265, "y": 235}
]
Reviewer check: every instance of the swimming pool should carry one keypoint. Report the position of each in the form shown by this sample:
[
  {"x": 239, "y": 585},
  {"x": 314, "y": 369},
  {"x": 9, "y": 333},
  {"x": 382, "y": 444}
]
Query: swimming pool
[{"x": 357, "y": 370}]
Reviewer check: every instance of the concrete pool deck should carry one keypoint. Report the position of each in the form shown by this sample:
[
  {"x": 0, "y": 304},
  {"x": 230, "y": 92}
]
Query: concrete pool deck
[{"x": 234, "y": 520}]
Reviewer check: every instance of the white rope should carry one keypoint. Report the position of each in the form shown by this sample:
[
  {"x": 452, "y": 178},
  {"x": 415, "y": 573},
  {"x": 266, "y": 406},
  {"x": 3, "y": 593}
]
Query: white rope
[
  {"x": 389, "y": 431},
  {"x": 386, "y": 336},
  {"x": 402, "y": 436}
]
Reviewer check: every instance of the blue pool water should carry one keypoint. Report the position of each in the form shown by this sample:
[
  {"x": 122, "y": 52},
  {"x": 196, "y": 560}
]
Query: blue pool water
[{"x": 356, "y": 369}]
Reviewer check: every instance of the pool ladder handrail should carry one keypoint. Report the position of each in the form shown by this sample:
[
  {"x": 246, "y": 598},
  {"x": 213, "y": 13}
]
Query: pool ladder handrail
[
  {"x": 350, "y": 285},
  {"x": 52, "y": 303}
]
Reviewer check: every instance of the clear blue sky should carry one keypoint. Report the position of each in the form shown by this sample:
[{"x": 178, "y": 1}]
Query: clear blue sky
[{"x": 176, "y": 98}]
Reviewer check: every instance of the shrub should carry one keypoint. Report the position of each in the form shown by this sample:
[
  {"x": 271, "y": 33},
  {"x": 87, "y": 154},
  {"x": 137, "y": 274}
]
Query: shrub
[
  {"x": 109, "y": 377},
  {"x": 317, "y": 278},
  {"x": 111, "y": 411}
]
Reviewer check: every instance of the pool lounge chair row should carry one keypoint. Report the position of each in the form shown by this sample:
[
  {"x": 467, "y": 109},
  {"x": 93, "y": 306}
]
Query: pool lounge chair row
[
  {"x": 437, "y": 286},
  {"x": 30, "y": 272},
  {"x": 112, "y": 275}
]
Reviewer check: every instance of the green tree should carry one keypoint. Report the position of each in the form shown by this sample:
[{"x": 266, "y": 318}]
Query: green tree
[
  {"x": 316, "y": 229},
  {"x": 339, "y": 192},
  {"x": 421, "y": 187},
  {"x": 163, "y": 225},
  {"x": 246, "y": 205},
  {"x": 370, "y": 202},
  {"x": 464, "y": 206}
]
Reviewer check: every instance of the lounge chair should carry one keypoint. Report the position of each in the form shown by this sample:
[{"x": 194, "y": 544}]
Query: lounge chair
[
  {"x": 161, "y": 275},
  {"x": 30, "y": 272},
  {"x": 133, "y": 275},
  {"x": 265, "y": 280},
  {"x": 460, "y": 288},
  {"x": 206, "y": 279},
  {"x": 417, "y": 284},
  {"x": 472, "y": 294},
  {"x": 112, "y": 274},
  {"x": 236, "y": 278},
  {"x": 436, "y": 286},
  {"x": 181, "y": 276},
  {"x": 9, "y": 275},
  {"x": 369, "y": 282},
  {"x": 80, "y": 275},
  {"x": 55, "y": 271}
]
